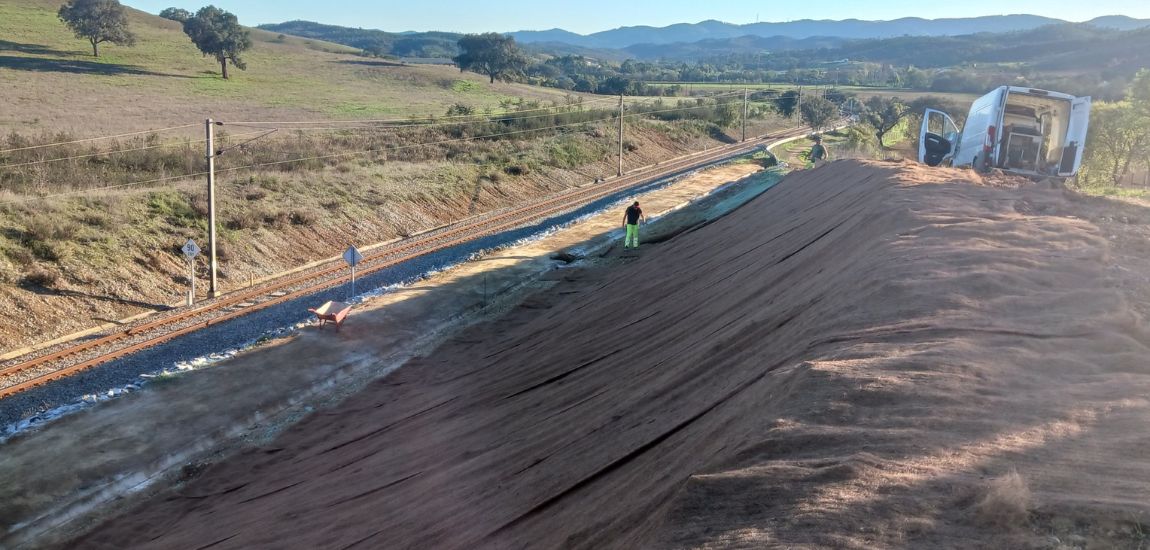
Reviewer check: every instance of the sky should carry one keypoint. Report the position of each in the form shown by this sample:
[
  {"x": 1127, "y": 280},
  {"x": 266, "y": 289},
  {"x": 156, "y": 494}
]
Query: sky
[{"x": 588, "y": 16}]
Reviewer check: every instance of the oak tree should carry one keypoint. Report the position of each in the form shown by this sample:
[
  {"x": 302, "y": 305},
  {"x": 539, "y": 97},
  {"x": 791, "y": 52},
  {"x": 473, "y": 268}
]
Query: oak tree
[
  {"x": 883, "y": 114},
  {"x": 491, "y": 54},
  {"x": 818, "y": 112},
  {"x": 97, "y": 21},
  {"x": 218, "y": 33},
  {"x": 176, "y": 14}
]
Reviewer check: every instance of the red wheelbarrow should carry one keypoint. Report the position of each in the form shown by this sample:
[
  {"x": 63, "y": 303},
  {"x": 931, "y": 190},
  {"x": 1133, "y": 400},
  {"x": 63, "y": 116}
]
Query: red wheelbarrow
[{"x": 331, "y": 311}]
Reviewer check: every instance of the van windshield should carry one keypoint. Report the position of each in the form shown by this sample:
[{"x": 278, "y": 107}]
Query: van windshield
[{"x": 1033, "y": 136}]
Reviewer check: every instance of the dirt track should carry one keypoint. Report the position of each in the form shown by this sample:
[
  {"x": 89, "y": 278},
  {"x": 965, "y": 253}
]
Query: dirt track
[{"x": 867, "y": 355}]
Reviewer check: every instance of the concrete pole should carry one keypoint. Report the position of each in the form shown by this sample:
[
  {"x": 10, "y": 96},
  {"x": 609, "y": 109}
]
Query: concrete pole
[
  {"x": 746, "y": 96},
  {"x": 619, "y": 172},
  {"x": 213, "y": 288},
  {"x": 799, "y": 108}
]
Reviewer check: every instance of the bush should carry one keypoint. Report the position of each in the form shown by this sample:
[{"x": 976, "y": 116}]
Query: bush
[
  {"x": 253, "y": 193},
  {"x": 21, "y": 256},
  {"x": 1005, "y": 503},
  {"x": 174, "y": 206},
  {"x": 276, "y": 219},
  {"x": 303, "y": 217},
  {"x": 43, "y": 250},
  {"x": 243, "y": 220},
  {"x": 97, "y": 220},
  {"x": 47, "y": 229},
  {"x": 41, "y": 277}
]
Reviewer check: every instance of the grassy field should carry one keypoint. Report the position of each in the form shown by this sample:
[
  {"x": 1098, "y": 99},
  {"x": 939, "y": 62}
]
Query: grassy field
[
  {"x": 295, "y": 196},
  {"x": 51, "y": 82}
]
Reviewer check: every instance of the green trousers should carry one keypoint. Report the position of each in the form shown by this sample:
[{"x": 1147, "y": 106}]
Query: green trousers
[{"x": 632, "y": 236}]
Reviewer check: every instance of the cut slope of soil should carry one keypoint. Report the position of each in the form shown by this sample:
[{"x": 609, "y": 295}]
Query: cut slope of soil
[{"x": 868, "y": 355}]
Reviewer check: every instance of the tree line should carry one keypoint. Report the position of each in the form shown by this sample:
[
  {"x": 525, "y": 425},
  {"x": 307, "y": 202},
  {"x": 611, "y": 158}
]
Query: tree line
[
  {"x": 215, "y": 32},
  {"x": 1118, "y": 143}
]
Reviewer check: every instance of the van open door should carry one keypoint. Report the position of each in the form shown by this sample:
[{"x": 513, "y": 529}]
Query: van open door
[
  {"x": 937, "y": 139},
  {"x": 1075, "y": 137}
]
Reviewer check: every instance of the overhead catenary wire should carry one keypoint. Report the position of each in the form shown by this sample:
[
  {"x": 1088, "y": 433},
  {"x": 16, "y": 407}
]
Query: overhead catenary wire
[
  {"x": 443, "y": 120},
  {"x": 119, "y": 151},
  {"x": 276, "y": 163},
  {"x": 470, "y": 119},
  {"x": 86, "y": 140},
  {"x": 439, "y": 142},
  {"x": 105, "y": 188},
  {"x": 323, "y": 157},
  {"x": 401, "y": 120}
]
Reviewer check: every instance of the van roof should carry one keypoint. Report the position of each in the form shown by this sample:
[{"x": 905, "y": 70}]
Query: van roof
[{"x": 1038, "y": 92}]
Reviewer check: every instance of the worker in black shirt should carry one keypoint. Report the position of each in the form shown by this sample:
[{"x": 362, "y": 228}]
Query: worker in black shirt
[
  {"x": 819, "y": 154},
  {"x": 631, "y": 220}
]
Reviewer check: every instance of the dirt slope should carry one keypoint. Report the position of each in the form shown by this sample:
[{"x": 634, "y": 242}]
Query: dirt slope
[{"x": 869, "y": 355}]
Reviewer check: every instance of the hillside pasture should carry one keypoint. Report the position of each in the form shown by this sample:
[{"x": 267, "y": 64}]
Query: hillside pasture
[{"x": 51, "y": 83}]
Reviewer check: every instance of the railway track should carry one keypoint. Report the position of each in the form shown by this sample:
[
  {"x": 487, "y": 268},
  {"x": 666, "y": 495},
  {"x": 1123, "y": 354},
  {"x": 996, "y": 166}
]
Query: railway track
[{"x": 44, "y": 366}]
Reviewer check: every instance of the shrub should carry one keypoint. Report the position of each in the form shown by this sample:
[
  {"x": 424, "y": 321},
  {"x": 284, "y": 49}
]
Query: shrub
[
  {"x": 1005, "y": 504},
  {"x": 97, "y": 220},
  {"x": 21, "y": 256},
  {"x": 303, "y": 217},
  {"x": 243, "y": 220},
  {"x": 253, "y": 193},
  {"x": 41, "y": 278},
  {"x": 47, "y": 229},
  {"x": 175, "y": 207},
  {"x": 43, "y": 250}
]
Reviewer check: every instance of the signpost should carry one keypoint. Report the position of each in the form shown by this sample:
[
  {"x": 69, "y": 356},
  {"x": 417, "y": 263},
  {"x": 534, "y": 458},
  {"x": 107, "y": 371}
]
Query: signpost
[
  {"x": 353, "y": 258},
  {"x": 191, "y": 250}
]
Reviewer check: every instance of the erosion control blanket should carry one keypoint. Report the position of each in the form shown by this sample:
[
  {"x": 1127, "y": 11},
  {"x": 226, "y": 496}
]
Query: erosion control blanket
[{"x": 868, "y": 355}]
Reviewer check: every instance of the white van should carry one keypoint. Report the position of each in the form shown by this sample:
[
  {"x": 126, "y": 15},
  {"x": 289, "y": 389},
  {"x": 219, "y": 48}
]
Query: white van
[{"x": 1025, "y": 131}]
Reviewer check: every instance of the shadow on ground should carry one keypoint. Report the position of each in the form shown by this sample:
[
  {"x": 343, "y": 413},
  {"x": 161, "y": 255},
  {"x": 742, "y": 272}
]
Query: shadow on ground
[
  {"x": 101, "y": 297},
  {"x": 75, "y": 66},
  {"x": 35, "y": 49},
  {"x": 368, "y": 63}
]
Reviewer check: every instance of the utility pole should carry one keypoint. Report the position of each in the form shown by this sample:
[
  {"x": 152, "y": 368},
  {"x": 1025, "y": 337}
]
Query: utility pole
[
  {"x": 746, "y": 96},
  {"x": 799, "y": 109},
  {"x": 620, "y": 171},
  {"x": 209, "y": 128}
]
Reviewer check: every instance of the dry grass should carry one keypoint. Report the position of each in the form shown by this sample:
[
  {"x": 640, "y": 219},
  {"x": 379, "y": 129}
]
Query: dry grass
[
  {"x": 51, "y": 82},
  {"x": 1005, "y": 504}
]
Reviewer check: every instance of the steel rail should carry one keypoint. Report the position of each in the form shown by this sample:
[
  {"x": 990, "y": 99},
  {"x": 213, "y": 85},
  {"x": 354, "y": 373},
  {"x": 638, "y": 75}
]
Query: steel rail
[{"x": 291, "y": 287}]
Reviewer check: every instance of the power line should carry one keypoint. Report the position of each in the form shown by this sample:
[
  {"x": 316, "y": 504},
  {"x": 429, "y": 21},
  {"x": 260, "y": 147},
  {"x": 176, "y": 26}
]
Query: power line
[
  {"x": 118, "y": 151},
  {"x": 440, "y": 142},
  {"x": 399, "y": 147},
  {"x": 82, "y": 191},
  {"x": 472, "y": 120},
  {"x": 96, "y": 138},
  {"x": 275, "y": 163},
  {"x": 401, "y": 120},
  {"x": 322, "y": 157},
  {"x": 433, "y": 121}
]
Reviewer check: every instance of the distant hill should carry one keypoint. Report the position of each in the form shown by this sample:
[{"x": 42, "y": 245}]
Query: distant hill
[
  {"x": 425, "y": 46},
  {"x": 712, "y": 48},
  {"x": 1119, "y": 22},
  {"x": 405, "y": 44},
  {"x": 1064, "y": 47},
  {"x": 625, "y": 37}
]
